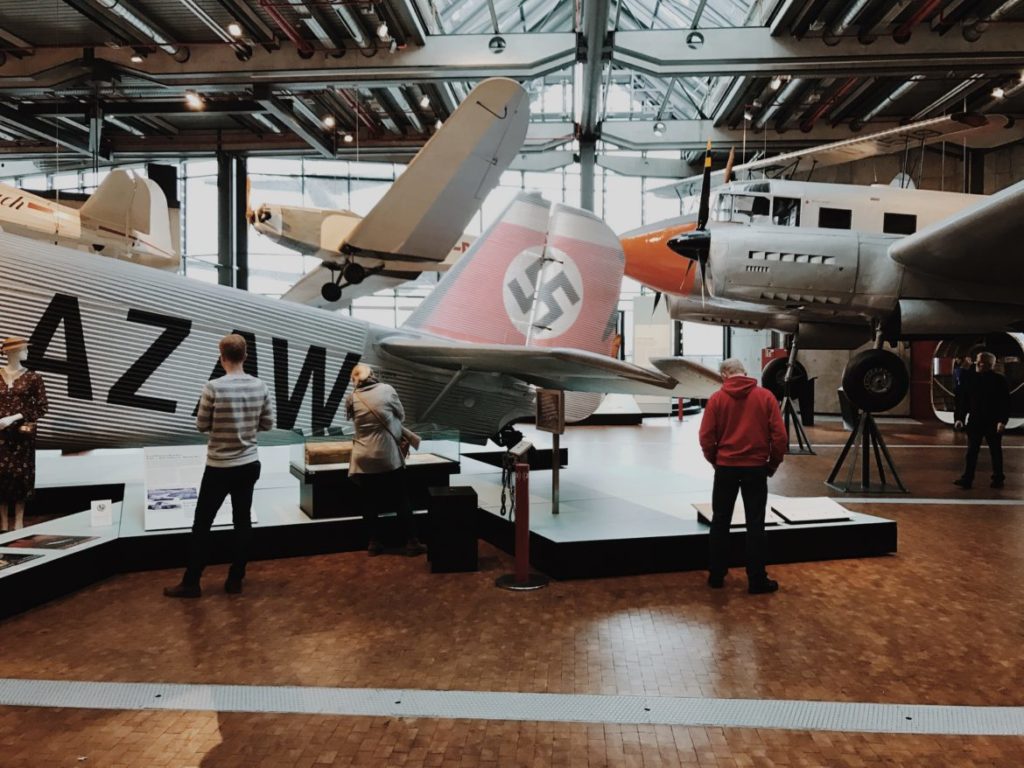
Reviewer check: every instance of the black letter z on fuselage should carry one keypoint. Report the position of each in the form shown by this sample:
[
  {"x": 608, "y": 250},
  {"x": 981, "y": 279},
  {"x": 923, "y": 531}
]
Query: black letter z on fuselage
[{"x": 123, "y": 392}]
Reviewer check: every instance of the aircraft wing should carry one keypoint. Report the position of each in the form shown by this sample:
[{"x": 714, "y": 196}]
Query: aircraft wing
[
  {"x": 977, "y": 131},
  {"x": 307, "y": 289},
  {"x": 979, "y": 244},
  {"x": 428, "y": 207},
  {"x": 552, "y": 368}
]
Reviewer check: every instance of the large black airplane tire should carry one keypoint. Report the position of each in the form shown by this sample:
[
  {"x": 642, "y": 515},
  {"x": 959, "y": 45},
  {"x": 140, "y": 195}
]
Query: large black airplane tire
[
  {"x": 773, "y": 378},
  {"x": 876, "y": 380}
]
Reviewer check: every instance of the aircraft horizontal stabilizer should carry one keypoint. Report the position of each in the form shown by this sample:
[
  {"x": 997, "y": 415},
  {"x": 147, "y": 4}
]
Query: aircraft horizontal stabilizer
[
  {"x": 552, "y": 368},
  {"x": 697, "y": 380},
  {"x": 428, "y": 207},
  {"x": 977, "y": 245}
]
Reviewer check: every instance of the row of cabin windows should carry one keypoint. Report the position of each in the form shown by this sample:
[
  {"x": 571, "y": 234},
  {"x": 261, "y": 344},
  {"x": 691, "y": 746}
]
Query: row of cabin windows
[
  {"x": 785, "y": 212},
  {"x": 892, "y": 223}
]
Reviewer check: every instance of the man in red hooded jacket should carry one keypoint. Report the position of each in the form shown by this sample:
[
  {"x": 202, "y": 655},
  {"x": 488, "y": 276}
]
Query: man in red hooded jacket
[{"x": 742, "y": 434}]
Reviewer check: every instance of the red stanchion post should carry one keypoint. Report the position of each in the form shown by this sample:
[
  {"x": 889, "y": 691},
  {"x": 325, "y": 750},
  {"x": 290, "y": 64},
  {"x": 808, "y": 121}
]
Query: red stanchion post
[
  {"x": 522, "y": 579},
  {"x": 522, "y": 523}
]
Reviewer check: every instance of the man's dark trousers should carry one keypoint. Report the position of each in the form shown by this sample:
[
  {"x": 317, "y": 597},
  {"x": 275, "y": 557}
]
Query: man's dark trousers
[
  {"x": 752, "y": 482},
  {"x": 995, "y": 447},
  {"x": 219, "y": 483}
]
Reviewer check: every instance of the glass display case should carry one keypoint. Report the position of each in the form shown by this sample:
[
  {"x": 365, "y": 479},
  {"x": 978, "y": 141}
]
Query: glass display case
[{"x": 320, "y": 463}]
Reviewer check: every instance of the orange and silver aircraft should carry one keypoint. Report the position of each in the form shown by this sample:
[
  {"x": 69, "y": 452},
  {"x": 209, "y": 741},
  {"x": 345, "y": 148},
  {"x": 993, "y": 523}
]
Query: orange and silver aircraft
[
  {"x": 650, "y": 261},
  {"x": 837, "y": 266}
]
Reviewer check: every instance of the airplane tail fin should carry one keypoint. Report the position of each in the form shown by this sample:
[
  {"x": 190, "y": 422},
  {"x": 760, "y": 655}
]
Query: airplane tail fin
[
  {"x": 541, "y": 276},
  {"x": 128, "y": 204}
]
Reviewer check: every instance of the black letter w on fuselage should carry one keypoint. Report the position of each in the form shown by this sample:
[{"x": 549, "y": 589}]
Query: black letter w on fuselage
[{"x": 313, "y": 367}]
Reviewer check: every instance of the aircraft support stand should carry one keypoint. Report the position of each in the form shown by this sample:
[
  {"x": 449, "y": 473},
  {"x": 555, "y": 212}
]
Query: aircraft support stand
[
  {"x": 789, "y": 412},
  {"x": 866, "y": 440},
  {"x": 522, "y": 580}
]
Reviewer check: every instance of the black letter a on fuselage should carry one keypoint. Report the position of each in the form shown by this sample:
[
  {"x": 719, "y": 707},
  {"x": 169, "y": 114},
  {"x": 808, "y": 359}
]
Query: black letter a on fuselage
[{"x": 62, "y": 309}]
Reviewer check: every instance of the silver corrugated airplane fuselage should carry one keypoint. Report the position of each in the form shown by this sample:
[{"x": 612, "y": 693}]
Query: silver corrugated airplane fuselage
[{"x": 125, "y": 352}]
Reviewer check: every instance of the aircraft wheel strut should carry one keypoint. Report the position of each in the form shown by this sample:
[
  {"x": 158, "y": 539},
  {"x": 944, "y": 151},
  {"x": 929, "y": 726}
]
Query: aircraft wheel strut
[{"x": 876, "y": 380}]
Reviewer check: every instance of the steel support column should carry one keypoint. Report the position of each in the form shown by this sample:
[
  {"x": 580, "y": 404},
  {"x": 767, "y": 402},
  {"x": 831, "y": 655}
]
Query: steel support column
[
  {"x": 241, "y": 226},
  {"x": 588, "y": 159},
  {"x": 225, "y": 258},
  {"x": 595, "y": 33}
]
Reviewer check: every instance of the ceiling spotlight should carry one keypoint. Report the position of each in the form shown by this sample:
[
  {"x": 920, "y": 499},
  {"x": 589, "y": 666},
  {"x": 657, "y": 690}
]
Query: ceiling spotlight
[
  {"x": 659, "y": 128},
  {"x": 193, "y": 100},
  {"x": 382, "y": 31},
  {"x": 329, "y": 121},
  {"x": 998, "y": 92},
  {"x": 235, "y": 29},
  {"x": 349, "y": 138},
  {"x": 438, "y": 124},
  {"x": 425, "y": 100},
  {"x": 748, "y": 115},
  {"x": 776, "y": 83},
  {"x": 136, "y": 58}
]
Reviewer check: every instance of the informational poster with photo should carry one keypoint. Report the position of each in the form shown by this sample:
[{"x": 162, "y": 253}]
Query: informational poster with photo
[
  {"x": 172, "y": 478},
  {"x": 10, "y": 559},
  {"x": 48, "y": 541}
]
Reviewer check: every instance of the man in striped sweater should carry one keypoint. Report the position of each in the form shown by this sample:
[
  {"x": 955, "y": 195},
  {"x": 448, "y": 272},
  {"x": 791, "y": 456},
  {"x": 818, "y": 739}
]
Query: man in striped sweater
[{"x": 232, "y": 410}]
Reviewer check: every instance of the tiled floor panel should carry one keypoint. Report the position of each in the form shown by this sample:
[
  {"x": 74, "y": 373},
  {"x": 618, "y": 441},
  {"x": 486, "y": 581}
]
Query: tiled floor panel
[
  {"x": 940, "y": 623},
  {"x": 59, "y": 738}
]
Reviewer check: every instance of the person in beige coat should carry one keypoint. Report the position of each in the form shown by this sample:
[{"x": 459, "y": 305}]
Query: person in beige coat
[{"x": 377, "y": 466}]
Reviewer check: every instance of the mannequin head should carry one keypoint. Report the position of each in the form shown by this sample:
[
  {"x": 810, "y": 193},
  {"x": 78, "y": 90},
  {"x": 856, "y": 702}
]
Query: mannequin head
[{"x": 15, "y": 349}]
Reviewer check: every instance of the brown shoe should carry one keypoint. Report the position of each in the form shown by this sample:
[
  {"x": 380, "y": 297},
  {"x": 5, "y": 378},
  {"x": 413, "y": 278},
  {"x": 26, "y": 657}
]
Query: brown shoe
[
  {"x": 183, "y": 590},
  {"x": 414, "y": 547}
]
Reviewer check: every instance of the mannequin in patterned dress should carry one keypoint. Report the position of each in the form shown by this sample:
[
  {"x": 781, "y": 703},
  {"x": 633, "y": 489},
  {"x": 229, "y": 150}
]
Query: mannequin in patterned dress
[{"x": 22, "y": 404}]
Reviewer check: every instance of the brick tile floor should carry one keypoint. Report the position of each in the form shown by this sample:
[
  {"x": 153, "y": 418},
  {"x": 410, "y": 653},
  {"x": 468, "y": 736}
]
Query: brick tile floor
[{"x": 941, "y": 622}]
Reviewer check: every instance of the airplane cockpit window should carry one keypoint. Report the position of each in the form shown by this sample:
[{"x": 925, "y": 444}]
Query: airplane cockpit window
[
  {"x": 899, "y": 224},
  {"x": 741, "y": 209},
  {"x": 786, "y": 211},
  {"x": 835, "y": 218}
]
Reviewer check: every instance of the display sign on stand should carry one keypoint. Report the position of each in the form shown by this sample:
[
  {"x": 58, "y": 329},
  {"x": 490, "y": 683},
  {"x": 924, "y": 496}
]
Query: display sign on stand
[
  {"x": 551, "y": 418},
  {"x": 172, "y": 478}
]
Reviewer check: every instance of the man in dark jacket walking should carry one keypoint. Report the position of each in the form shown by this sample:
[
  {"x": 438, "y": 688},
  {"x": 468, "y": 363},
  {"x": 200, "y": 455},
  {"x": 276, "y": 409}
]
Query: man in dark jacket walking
[
  {"x": 983, "y": 403},
  {"x": 742, "y": 434}
]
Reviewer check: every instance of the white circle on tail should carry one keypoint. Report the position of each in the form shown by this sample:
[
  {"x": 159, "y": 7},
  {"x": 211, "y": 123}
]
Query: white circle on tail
[{"x": 559, "y": 295}]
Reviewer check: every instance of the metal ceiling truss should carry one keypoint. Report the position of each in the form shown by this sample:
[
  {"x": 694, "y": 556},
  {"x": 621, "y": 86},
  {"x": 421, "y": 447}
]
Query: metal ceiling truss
[
  {"x": 212, "y": 68},
  {"x": 693, "y": 135},
  {"x": 752, "y": 51},
  {"x": 702, "y": 77}
]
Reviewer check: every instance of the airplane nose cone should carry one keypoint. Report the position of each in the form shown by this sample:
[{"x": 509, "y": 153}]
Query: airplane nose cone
[
  {"x": 692, "y": 245},
  {"x": 650, "y": 261}
]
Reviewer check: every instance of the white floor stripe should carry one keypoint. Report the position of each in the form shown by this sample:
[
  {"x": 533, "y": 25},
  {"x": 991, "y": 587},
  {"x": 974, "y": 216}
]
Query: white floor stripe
[
  {"x": 542, "y": 707},
  {"x": 960, "y": 502}
]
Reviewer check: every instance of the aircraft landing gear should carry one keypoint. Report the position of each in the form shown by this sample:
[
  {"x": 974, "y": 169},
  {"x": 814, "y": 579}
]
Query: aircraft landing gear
[
  {"x": 874, "y": 380},
  {"x": 351, "y": 273},
  {"x": 332, "y": 291},
  {"x": 786, "y": 378},
  {"x": 354, "y": 273}
]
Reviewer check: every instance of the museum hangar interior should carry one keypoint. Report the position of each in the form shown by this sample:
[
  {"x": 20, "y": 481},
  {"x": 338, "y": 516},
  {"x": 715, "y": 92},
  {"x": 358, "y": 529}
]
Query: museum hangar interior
[{"x": 545, "y": 225}]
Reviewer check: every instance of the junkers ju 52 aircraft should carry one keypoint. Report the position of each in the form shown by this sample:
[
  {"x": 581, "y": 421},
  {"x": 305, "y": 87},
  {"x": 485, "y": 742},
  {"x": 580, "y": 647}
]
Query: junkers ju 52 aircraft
[
  {"x": 125, "y": 218},
  {"x": 126, "y": 350},
  {"x": 838, "y": 266},
  {"x": 418, "y": 225}
]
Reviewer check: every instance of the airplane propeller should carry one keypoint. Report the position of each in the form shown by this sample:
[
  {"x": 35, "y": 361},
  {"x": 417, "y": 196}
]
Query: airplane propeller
[{"x": 696, "y": 245}]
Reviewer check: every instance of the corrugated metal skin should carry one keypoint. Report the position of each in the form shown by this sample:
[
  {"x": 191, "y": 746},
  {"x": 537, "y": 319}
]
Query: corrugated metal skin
[{"x": 31, "y": 273}]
